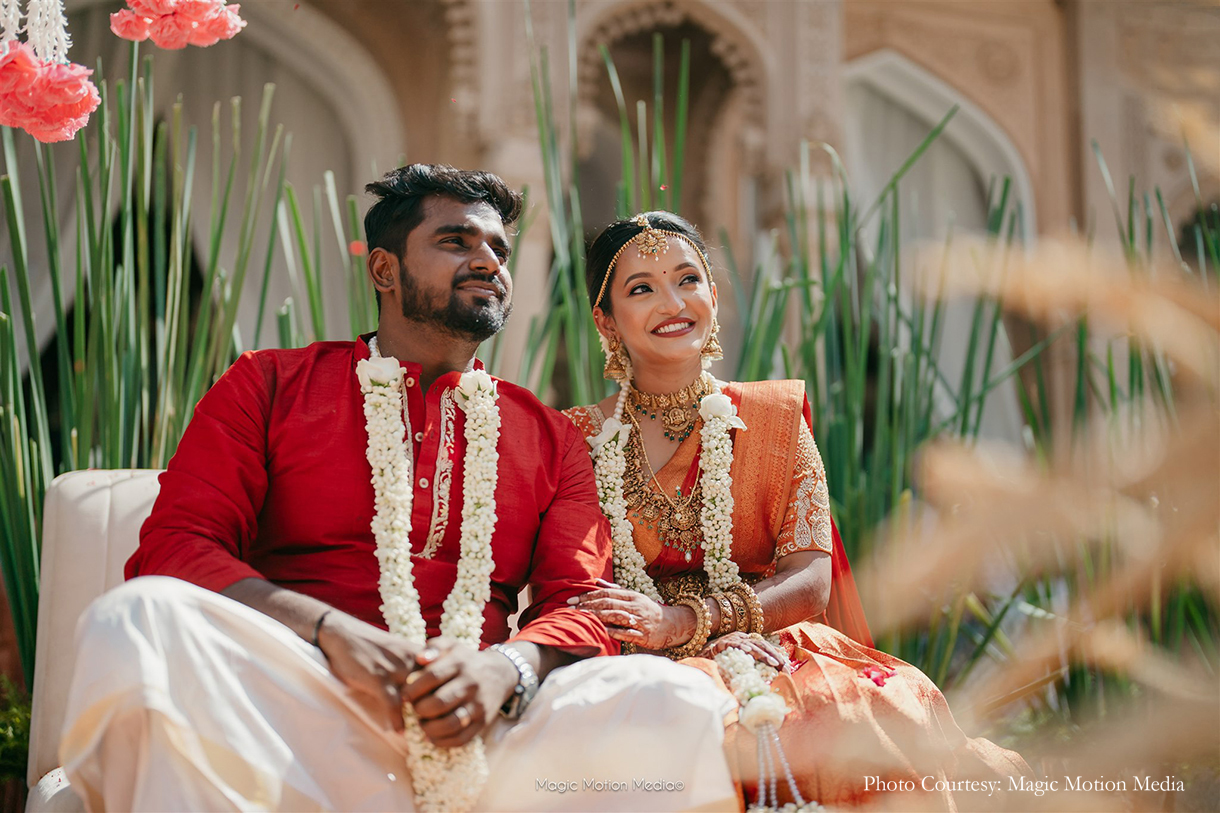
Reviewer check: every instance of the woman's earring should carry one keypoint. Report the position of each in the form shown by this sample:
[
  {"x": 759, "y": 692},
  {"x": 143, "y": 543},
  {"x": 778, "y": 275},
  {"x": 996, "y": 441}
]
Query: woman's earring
[
  {"x": 712, "y": 351},
  {"x": 618, "y": 363}
]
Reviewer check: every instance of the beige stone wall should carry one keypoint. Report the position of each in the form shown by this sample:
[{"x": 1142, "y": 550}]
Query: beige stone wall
[
  {"x": 418, "y": 45},
  {"x": 1010, "y": 58},
  {"x": 1148, "y": 70}
]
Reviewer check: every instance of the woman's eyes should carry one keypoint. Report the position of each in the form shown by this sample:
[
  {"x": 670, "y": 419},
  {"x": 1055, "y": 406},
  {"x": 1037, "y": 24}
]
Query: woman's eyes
[{"x": 643, "y": 288}]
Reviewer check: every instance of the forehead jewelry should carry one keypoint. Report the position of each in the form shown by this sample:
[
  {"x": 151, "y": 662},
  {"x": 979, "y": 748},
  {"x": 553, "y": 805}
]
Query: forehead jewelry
[{"x": 650, "y": 242}]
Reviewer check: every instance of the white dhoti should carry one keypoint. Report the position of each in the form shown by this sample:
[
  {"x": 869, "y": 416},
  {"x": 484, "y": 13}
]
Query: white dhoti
[{"x": 186, "y": 700}]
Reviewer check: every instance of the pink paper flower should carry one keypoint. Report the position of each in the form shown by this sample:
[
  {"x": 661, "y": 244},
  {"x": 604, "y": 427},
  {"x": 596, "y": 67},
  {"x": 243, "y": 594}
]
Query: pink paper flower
[
  {"x": 223, "y": 26},
  {"x": 153, "y": 8},
  {"x": 877, "y": 675},
  {"x": 69, "y": 84},
  {"x": 64, "y": 130},
  {"x": 63, "y": 98},
  {"x": 199, "y": 11},
  {"x": 171, "y": 32},
  {"x": 128, "y": 25},
  {"x": 55, "y": 105},
  {"x": 18, "y": 68},
  {"x": 174, "y": 24}
]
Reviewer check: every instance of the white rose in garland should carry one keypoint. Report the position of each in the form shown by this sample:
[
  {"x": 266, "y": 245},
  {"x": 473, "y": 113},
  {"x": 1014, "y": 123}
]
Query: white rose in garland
[
  {"x": 612, "y": 430},
  {"x": 442, "y": 778}
]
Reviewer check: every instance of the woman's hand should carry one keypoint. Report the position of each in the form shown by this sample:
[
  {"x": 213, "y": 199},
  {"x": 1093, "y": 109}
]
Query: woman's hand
[
  {"x": 758, "y": 649},
  {"x": 634, "y": 618}
]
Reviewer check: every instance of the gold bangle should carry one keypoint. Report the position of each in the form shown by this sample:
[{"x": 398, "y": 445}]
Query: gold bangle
[
  {"x": 728, "y": 621},
  {"x": 703, "y": 627},
  {"x": 741, "y": 613},
  {"x": 750, "y": 598}
]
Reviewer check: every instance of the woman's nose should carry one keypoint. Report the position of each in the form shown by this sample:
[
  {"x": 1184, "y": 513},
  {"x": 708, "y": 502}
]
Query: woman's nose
[{"x": 671, "y": 299}]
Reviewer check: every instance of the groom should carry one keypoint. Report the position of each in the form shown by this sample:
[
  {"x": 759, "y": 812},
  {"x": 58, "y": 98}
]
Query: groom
[{"x": 262, "y": 674}]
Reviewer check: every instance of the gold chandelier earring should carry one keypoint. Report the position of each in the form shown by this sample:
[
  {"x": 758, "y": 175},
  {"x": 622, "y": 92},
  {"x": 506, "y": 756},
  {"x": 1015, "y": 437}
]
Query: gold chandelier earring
[
  {"x": 618, "y": 363},
  {"x": 712, "y": 351}
]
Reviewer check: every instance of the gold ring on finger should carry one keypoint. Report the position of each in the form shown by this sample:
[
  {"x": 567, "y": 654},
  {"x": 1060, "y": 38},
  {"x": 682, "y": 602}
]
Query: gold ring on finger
[{"x": 463, "y": 716}]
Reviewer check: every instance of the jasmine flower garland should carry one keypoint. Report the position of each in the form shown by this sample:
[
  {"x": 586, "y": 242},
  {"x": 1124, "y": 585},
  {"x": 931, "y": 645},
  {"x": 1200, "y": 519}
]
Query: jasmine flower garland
[{"x": 442, "y": 778}]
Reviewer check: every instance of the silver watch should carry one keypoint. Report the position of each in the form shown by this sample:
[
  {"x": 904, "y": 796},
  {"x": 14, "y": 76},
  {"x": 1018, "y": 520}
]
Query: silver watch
[{"x": 527, "y": 682}]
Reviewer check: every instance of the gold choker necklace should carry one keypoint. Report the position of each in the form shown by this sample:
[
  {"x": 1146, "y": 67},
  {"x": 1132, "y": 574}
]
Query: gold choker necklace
[{"x": 678, "y": 411}]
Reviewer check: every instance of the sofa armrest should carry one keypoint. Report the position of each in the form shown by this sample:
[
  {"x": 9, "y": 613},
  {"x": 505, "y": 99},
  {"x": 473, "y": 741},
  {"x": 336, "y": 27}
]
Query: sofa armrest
[{"x": 91, "y": 526}]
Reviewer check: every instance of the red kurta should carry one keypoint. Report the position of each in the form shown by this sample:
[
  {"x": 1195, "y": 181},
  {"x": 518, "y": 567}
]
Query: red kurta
[{"x": 271, "y": 481}]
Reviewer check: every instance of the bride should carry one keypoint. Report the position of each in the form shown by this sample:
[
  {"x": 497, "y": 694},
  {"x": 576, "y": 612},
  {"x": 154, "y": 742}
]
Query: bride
[{"x": 726, "y": 556}]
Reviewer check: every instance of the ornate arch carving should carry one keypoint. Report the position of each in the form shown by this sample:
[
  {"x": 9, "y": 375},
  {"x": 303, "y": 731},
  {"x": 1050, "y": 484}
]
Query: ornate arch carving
[{"x": 736, "y": 43}]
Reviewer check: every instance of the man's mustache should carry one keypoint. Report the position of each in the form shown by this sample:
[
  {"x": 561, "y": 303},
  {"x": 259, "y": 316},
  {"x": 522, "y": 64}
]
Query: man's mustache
[{"x": 492, "y": 280}]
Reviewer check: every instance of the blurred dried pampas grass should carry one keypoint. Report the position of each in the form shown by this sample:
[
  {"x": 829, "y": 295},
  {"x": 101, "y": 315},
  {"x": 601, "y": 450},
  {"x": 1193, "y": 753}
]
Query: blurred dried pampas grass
[{"x": 1104, "y": 536}]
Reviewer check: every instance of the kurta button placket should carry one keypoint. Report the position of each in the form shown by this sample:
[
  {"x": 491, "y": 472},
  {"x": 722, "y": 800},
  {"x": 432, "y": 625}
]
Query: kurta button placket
[
  {"x": 419, "y": 437},
  {"x": 423, "y": 482}
]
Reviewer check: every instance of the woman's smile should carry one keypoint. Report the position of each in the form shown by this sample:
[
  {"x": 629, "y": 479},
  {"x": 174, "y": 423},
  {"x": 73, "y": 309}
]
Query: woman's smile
[{"x": 674, "y": 327}]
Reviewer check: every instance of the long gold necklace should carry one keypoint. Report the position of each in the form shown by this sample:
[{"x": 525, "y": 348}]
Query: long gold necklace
[
  {"x": 677, "y": 523},
  {"x": 677, "y": 411}
]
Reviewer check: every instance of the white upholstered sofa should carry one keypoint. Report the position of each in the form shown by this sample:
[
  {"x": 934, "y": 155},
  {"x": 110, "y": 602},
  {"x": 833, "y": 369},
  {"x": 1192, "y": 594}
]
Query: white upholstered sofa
[{"x": 91, "y": 525}]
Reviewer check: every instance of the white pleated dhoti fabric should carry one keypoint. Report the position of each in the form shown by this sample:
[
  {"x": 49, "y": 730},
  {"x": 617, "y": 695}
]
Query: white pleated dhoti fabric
[{"x": 183, "y": 699}]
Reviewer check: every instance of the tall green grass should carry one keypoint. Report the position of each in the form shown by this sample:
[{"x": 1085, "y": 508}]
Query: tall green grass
[{"x": 135, "y": 346}]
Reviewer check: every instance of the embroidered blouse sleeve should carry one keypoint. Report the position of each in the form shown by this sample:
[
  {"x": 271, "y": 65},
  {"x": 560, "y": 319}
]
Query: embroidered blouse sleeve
[
  {"x": 206, "y": 514},
  {"x": 585, "y": 419},
  {"x": 806, "y": 523}
]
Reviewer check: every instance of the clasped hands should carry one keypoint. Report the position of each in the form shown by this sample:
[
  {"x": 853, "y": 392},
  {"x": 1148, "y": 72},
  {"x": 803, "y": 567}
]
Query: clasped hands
[
  {"x": 455, "y": 690},
  {"x": 634, "y": 618}
]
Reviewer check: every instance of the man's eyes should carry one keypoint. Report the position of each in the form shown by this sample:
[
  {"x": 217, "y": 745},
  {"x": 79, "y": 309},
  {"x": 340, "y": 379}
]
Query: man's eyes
[{"x": 502, "y": 253}]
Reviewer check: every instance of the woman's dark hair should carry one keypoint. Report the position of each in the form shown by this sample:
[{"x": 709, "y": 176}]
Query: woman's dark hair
[
  {"x": 401, "y": 194},
  {"x": 617, "y": 235}
]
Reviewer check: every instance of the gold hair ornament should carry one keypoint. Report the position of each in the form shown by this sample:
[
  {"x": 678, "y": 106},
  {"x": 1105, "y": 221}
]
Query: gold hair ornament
[{"x": 650, "y": 242}]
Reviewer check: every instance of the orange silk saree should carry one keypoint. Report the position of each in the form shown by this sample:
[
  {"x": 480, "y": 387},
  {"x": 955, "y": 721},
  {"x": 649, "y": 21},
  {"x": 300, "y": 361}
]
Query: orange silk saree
[{"x": 865, "y": 727}]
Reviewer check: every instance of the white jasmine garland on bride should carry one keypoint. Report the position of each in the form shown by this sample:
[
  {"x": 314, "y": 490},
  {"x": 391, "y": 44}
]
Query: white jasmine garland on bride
[
  {"x": 442, "y": 778},
  {"x": 762, "y": 710}
]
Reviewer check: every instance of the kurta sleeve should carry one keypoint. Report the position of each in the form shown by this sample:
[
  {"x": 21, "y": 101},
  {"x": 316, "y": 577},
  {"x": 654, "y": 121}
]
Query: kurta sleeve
[
  {"x": 572, "y": 551},
  {"x": 206, "y": 515},
  {"x": 806, "y": 523}
]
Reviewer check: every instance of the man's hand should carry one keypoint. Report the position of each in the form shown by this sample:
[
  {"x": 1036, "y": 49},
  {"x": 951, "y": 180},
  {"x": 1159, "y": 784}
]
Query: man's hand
[
  {"x": 369, "y": 660},
  {"x": 456, "y": 691}
]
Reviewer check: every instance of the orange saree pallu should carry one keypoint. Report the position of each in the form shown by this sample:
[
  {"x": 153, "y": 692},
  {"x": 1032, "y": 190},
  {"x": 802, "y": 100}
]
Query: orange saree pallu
[{"x": 861, "y": 720}]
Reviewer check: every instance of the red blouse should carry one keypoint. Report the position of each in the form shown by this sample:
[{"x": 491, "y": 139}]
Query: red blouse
[{"x": 271, "y": 481}]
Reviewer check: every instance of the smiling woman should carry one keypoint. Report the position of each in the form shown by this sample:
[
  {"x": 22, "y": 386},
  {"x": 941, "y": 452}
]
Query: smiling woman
[
  {"x": 726, "y": 557},
  {"x": 658, "y": 304}
]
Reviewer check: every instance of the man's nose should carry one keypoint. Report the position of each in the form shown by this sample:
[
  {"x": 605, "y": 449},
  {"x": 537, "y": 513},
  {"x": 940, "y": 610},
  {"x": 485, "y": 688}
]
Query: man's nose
[{"x": 486, "y": 258}]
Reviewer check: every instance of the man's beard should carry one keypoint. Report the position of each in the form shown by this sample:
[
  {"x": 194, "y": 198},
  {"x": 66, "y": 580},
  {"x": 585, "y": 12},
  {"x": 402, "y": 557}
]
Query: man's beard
[{"x": 473, "y": 321}]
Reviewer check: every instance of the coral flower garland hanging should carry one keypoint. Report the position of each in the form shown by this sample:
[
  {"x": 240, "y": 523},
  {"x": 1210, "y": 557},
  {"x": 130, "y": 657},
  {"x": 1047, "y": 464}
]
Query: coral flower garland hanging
[
  {"x": 40, "y": 91},
  {"x": 174, "y": 24}
]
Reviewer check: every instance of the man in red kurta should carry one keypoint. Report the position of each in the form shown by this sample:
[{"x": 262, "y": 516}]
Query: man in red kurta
[{"x": 269, "y": 503}]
